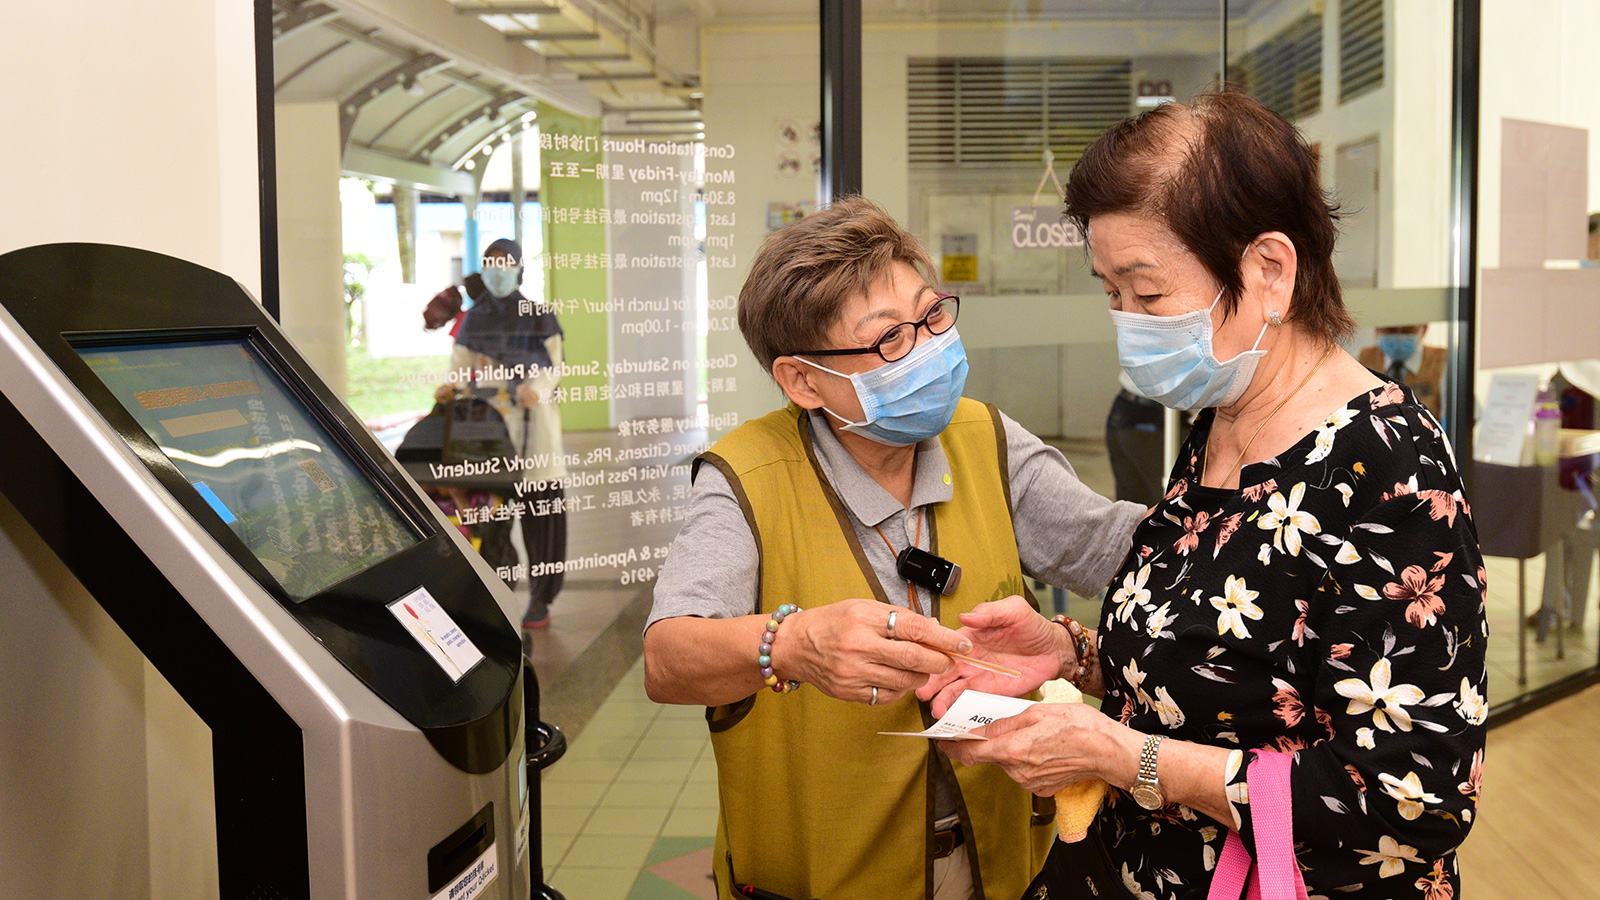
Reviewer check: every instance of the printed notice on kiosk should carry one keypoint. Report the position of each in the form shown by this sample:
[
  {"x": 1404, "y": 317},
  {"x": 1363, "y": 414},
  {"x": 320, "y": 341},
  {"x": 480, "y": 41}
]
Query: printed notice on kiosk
[
  {"x": 470, "y": 884},
  {"x": 438, "y": 634}
]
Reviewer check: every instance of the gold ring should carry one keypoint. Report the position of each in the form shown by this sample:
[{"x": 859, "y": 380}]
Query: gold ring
[{"x": 893, "y": 614}]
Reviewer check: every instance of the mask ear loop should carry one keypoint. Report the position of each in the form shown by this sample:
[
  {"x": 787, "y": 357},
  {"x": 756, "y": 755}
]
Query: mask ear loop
[
  {"x": 841, "y": 375},
  {"x": 1272, "y": 317},
  {"x": 1259, "y": 335}
]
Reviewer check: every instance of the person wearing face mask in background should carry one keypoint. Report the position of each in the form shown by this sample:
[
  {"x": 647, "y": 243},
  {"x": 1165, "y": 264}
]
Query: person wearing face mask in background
[
  {"x": 504, "y": 334},
  {"x": 810, "y": 506},
  {"x": 1305, "y": 606},
  {"x": 1400, "y": 356}
]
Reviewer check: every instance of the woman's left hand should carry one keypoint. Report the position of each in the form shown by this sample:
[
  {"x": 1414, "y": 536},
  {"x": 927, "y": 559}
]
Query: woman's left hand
[
  {"x": 526, "y": 396},
  {"x": 1009, "y": 632},
  {"x": 1044, "y": 748}
]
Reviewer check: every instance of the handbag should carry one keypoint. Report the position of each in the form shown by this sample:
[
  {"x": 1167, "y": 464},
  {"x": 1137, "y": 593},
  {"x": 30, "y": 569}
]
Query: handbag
[
  {"x": 1081, "y": 870},
  {"x": 1276, "y": 875}
]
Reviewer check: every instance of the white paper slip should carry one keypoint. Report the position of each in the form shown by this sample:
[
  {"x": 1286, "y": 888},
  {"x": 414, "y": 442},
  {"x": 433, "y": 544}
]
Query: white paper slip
[
  {"x": 438, "y": 634},
  {"x": 973, "y": 709}
]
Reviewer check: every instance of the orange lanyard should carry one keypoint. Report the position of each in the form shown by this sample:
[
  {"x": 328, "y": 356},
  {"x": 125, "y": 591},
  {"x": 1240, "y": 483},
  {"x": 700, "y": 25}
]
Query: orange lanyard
[{"x": 911, "y": 589}]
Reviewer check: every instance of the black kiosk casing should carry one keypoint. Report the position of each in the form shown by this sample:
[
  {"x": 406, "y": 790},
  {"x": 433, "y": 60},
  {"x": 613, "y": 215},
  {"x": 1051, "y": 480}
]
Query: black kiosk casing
[{"x": 270, "y": 559}]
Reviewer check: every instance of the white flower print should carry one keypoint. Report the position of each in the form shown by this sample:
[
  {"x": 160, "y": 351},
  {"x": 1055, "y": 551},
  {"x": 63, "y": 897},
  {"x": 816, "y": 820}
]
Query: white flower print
[
  {"x": 1135, "y": 680},
  {"x": 1364, "y": 738},
  {"x": 1471, "y": 705},
  {"x": 1160, "y": 619},
  {"x": 1132, "y": 593},
  {"x": 1345, "y": 492},
  {"x": 1129, "y": 882},
  {"x": 1385, "y": 701},
  {"x": 1347, "y": 554},
  {"x": 1264, "y": 555},
  {"x": 1236, "y": 605},
  {"x": 1391, "y": 857},
  {"x": 1238, "y": 794},
  {"x": 1408, "y": 791},
  {"x": 1339, "y": 419},
  {"x": 1167, "y": 708},
  {"x": 1286, "y": 520}
]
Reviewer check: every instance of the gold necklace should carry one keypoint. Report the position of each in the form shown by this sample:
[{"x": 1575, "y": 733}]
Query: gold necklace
[{"x": 1205, "y": 462}]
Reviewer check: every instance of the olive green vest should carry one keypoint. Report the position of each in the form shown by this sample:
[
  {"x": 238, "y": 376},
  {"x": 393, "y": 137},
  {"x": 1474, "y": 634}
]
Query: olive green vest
[{"x": 815, "y": 804}]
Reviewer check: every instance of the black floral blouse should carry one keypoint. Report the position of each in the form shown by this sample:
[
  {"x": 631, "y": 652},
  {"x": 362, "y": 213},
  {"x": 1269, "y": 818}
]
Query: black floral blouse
[{"x": 1334, "y": 607}]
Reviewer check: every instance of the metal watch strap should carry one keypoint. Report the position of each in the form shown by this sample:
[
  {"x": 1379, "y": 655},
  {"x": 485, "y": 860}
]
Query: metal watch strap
[{"x": 1147, "y": 790}]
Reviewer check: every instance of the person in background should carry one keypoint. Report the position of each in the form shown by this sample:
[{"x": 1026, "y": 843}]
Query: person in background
[
  {"x": 1401, "y": 357},
  {"x": 1568, "y": 572},
  {"x": 876, "y": 458},
  {"x": 1133, "y": 443},
  {"x": 1311, "y": 586},
  {"x": 507, "y": 335}
]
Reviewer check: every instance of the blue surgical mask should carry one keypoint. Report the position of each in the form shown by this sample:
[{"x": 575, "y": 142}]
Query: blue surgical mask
[
  {"x": 1170, "y": 359},
  {"x": 909, "y": 400},
  {"x": 1397, "y": 347},
  {"x": 500, "y": 282}
]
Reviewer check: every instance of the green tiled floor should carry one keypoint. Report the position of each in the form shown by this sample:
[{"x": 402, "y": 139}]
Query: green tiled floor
[{"x": 636, "y": 788}]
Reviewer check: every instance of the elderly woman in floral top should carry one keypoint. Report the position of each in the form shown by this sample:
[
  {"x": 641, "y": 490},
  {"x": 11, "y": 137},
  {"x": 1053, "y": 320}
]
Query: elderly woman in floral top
[{"x": 1311, "y": 582}]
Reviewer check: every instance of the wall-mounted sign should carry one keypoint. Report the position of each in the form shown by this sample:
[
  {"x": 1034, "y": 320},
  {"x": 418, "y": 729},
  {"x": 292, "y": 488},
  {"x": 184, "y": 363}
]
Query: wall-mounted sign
[
  {"x": 959, "y": 257},
  {"x": 1041, "y": 228}
]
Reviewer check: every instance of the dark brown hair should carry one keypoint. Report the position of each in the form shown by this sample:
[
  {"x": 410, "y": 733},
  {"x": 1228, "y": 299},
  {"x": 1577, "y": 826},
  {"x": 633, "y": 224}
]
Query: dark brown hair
[
  {"x": 1221, "y": 171},
  {"x": 804, "y": 273}
]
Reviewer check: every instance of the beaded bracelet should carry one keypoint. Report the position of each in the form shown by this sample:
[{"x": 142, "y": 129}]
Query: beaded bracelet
[
  {"x": 764, "y": 658},
  {"x": 1081, "y": 646}
]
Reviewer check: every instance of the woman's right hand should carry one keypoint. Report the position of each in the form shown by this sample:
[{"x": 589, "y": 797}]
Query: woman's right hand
[
  {"x": 444, "y": 393},
  {"x": 843, "y": 649},
  {"x": 1009, "y": 632}
]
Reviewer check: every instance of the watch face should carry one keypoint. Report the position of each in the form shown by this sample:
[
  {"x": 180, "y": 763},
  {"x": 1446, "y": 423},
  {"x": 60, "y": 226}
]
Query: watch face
[{"x": 1148, "y": 796}]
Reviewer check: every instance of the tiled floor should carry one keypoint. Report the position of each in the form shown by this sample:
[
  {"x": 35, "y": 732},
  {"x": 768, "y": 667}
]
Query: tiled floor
[{"x": 632, "y": 807}]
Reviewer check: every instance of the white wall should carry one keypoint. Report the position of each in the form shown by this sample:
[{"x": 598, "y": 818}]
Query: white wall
[
  {"x": 1540, "y": 64},
  {"x": 311, "y": 235},
  {"x": 132, "y": 124},
  {"x": 126, "y": 123}
]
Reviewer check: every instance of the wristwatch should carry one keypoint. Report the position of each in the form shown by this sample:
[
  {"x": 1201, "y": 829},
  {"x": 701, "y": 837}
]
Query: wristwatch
[{"x": 1147, "y": 790}]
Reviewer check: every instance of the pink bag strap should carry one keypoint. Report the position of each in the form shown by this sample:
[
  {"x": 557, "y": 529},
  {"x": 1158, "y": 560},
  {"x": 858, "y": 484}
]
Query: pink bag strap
[{"x": 1276, "y": 876}]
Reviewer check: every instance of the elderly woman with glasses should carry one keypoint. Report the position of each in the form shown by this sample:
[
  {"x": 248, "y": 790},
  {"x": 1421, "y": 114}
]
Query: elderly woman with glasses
[
  {"x": 828, "y": 548},
  {"x": 1309, "y": 595}
]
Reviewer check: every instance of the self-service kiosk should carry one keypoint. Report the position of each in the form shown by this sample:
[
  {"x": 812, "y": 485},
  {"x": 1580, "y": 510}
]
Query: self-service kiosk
[{"x": 362, "y": 686}]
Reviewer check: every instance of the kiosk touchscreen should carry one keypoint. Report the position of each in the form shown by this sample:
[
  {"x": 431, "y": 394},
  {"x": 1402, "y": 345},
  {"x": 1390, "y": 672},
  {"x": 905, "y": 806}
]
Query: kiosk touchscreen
[{"x": 361, "y": 683}]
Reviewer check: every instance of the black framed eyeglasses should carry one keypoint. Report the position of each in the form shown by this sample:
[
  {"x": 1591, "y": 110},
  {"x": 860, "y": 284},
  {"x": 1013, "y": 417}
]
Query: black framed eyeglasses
[{"x": 899, "y": 340}]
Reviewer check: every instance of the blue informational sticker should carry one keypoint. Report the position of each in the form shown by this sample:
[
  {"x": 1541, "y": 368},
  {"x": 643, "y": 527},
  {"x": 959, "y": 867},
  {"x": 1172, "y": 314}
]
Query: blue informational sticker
[{"x": 210, "y": 496}]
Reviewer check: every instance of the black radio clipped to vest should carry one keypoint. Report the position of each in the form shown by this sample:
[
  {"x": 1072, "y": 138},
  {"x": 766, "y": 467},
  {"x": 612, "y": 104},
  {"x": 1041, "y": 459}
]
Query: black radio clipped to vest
[{"x": 935, "y": 573}]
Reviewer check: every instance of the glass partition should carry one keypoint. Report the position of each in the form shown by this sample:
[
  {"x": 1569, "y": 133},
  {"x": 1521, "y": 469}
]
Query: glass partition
[
  {"x": 1538, "y": 345},
  {"x": 977, "y": 121},
  {"x": 640, "y": 157}
]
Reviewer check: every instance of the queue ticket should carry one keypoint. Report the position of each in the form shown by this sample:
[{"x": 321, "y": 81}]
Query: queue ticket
[{"x": 972, "y": 709}]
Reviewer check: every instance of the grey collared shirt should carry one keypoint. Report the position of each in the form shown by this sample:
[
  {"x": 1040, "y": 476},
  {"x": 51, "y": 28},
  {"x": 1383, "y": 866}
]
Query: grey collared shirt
[{"x": 1067, "y": 535}]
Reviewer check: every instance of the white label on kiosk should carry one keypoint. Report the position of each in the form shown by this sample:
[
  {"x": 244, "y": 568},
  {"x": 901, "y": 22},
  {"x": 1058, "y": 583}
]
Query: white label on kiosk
[
  {"x": 523, "y": 821},
  {"x": 471, "y": 883},
  {"x": 438, "y": 634}
]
